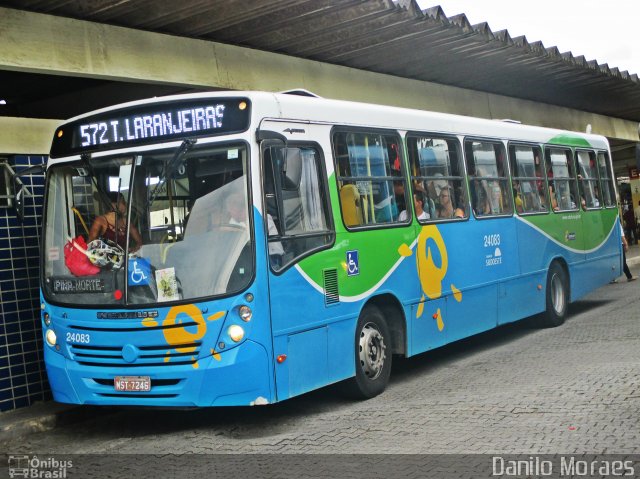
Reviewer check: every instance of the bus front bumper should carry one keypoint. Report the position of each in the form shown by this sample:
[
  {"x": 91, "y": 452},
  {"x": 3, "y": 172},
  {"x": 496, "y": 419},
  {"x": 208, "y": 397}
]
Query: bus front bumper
[{"x": 237, "y": 377}]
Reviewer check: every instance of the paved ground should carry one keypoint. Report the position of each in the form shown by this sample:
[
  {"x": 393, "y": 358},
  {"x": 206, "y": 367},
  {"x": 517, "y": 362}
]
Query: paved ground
[
  {"x": 517, "y": 390},
  {"x": 573, "y": 389}
]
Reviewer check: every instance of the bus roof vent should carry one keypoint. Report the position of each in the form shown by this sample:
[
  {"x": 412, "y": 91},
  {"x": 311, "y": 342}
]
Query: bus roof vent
[
  {"x": 300, "y": 92},
  {"x": 331, "y": 294}
]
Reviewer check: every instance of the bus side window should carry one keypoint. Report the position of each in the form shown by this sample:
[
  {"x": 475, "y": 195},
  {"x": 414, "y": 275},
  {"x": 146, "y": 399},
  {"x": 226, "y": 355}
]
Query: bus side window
[
  {"x": 529, "y": 188},
  {"x": 488, "y": 181},
  {"x": 437, "y": 172},
  {"x": 562, "y": 179},
  {"x": 606, "y": 179},
  {"x": 297, "y": 206},
  {"x": 370, "y": 179},
  {"x": 588, "y": 179}
]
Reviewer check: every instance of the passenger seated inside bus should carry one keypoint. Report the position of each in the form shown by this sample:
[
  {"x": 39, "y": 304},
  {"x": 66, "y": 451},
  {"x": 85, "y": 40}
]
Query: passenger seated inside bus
[
  {"x": 418, "y": 202},
  {"x": 446, "y": 206},
  {"x": 112, "y": 226},
  {"x": 480, "y": 197},
  {"x": 518, "y": 200},
  {"x": 399, "y": 192},
  {"x": 236, "y": 209}
]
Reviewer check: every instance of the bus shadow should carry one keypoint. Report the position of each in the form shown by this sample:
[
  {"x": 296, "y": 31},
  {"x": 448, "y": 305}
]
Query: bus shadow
[
  {"x": 586, "y": 305},
  {"x": 407, "y": 368}
]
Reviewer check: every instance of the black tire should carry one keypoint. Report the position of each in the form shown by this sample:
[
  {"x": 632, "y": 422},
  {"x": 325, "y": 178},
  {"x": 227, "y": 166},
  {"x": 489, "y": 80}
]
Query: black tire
[
  {"x": 372, "y": 356},
  {"x": 557, "y": 297}
]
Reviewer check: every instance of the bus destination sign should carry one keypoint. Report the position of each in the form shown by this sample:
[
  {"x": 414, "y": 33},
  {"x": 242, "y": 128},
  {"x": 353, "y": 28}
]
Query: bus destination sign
[{"x": 152, "y": 123}]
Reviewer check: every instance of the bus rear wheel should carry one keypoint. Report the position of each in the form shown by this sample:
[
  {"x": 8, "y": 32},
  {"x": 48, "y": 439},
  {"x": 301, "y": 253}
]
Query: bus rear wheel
[
  {"x": 557, "y": 297},
  {"x": 372, "y": 355}
]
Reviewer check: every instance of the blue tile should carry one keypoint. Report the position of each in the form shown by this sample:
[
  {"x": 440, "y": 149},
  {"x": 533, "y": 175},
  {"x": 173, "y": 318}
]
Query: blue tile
[
  {"x": 9, "y": 306},
  {"x": 28, "y": 336},
  {"x": 18, "y": 369},
  {"x": 13, "y": 338},
  {"x": 35, "y": 389},
  {"x": 19, "y": 380},
  {"x": 11, "y": 317},
  {"x": 15, "y": 350},
  {"x": 33, "y": 358},
  {"x": 22, "y": 402},
  {"x": 8, "y": 296},
  {"x": 30, "y": 346},
  {"x": 20, "y": 391},
  {"x": 33, "y": 377}
]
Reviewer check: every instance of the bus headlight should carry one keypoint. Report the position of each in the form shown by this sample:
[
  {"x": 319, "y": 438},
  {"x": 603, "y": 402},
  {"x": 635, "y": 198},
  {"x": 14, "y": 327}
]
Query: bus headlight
[
  {"x": 51, "y": 337},
  {"x": 245, "y": 313},
  {"x": 236, "y": 333}
]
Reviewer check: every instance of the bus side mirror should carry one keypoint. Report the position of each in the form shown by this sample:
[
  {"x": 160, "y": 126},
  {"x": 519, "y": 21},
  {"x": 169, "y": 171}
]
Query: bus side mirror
[{"x": 19, "y": 201}]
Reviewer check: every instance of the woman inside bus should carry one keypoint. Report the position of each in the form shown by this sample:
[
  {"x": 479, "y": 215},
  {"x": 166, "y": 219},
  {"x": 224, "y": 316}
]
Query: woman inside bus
[
  {"x": 112, "y": 226},
  {"x": 446, "y": 208}
]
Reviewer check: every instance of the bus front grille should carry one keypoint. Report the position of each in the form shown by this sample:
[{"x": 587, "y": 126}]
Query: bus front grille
[{"x": 129, "y": 356}]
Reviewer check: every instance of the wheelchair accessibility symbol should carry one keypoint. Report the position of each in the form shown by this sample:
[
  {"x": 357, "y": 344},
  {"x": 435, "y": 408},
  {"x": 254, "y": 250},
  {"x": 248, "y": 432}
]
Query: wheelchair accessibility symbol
[
  {"x": 353, "y": 268},
  {"x": 139, "y": 272}
]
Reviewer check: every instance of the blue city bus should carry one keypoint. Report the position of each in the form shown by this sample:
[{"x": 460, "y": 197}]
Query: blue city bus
[{"x": 242, "y": 248}]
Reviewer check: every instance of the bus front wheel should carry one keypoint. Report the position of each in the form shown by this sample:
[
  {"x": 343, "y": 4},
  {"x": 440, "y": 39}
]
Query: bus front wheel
[
  {"x": 557, "y": 297},
  {"x": 372, "y": 355}
]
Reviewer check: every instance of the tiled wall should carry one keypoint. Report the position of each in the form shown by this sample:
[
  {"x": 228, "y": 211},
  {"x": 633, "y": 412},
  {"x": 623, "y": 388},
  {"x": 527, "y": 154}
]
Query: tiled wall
[{"x": 22, "y": 375}]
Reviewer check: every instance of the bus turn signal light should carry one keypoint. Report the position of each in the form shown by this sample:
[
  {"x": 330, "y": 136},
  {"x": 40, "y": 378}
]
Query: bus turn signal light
[{"x": 281, "y": 358}]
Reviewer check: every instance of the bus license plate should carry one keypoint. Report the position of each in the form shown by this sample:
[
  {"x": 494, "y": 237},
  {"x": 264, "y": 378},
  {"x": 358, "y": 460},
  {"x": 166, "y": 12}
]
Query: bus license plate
[{"x": 132, "y": 383}]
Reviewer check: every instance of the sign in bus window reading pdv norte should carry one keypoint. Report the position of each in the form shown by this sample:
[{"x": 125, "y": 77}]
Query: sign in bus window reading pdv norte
[{"x": 144, "y": 124}]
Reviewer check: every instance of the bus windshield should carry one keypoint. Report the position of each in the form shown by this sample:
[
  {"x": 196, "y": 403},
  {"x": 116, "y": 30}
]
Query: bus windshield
[{"x": 164, "y": 226}]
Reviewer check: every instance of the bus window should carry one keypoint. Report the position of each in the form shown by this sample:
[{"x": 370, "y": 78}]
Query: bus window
[
  {"x": 297, "y": 219},
  {"x": 486, "y": 165},
  {"x": 562, "y": 180},
  {"x": 606, "y": 179},
  {"x": 529, "y": 188},
  {"x": 370, "y": 179},
  {"x": 588, "y": 179},
  {"x": 437, "y": 172}
]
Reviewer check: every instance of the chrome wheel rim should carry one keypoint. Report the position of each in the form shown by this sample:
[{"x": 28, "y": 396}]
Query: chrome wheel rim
[
  {"x": 372, "y": 351},
  {"x": 557, "y": 294}
]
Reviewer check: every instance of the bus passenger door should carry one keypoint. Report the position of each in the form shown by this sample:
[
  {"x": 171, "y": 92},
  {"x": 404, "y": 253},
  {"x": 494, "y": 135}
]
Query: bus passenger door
[{"x": 297, "y": 226}]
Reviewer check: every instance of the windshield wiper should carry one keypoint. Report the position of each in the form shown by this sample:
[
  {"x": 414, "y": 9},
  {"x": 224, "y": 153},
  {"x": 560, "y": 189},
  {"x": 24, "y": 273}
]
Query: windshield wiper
[{"x": 171, "y": 167}]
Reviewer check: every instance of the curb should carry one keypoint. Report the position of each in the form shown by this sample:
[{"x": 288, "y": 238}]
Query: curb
[
  {"x": 44, "y": 416},
  {"x": 633, "y": 261}
]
